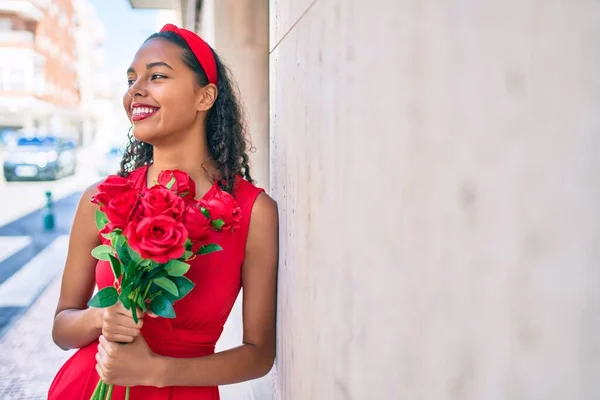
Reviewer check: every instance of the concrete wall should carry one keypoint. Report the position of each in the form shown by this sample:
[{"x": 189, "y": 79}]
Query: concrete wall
[
  {"x": 239, "y": 31},
  {"x": 436, "y": 169}
]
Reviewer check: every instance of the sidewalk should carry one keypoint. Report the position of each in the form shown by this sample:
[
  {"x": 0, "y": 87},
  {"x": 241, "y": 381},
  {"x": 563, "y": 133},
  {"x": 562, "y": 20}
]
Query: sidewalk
[{"x": 29, "y": 359}]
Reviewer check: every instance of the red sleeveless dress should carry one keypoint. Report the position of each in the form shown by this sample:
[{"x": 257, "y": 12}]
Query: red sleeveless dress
[{"x": 201, "y": 315}]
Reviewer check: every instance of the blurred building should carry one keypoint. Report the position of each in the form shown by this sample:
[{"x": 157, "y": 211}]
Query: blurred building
[
  {"x": 38, "y": 67},
  {"x": 89, "y": 40}
]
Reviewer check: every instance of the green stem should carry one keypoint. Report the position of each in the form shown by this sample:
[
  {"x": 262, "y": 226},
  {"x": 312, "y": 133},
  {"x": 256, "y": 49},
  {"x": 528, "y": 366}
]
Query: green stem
[
  {"x": 146, "y": 291},
  {"x": 97, "y": 390},
  {"x": 157, "y": 293},
  {"x": 134, "y": 307},
  {"x": 109, "y": 393},
  {"x": 102, "y": 391},
  {"x": 127, "y": 393}
]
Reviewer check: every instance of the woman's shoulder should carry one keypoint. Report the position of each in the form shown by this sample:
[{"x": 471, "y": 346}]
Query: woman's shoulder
[
  {"x": 245, "y": 192},
  {"x": 253, "y": 199}
]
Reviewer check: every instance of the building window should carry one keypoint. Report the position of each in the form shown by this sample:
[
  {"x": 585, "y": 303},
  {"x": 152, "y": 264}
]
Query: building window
[
  {"x": 39, "y": 78},
  {"x": 5, "y": 24},
  {"x": 14, "y": 80}
]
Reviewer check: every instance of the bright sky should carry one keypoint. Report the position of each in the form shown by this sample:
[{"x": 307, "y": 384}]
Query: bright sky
[{"x": 126, "y": 30}]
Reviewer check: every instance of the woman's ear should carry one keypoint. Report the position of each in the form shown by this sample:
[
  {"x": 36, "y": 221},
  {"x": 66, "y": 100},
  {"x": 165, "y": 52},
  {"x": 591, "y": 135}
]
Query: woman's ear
[{"x": 207, "y": 96}]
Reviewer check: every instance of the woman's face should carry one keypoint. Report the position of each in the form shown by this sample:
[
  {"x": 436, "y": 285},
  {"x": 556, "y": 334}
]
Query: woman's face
[{"x": 162, "y": 98}]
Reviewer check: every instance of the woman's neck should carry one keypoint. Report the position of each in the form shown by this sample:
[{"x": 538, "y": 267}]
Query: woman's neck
[{"x": 190, "y": 156}]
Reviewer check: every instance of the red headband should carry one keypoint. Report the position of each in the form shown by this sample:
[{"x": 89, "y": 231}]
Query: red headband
[{"x": 200, "y": 49}]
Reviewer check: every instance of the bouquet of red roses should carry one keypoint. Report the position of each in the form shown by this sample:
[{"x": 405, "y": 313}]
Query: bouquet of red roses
[{"x": 149, "y": 238}]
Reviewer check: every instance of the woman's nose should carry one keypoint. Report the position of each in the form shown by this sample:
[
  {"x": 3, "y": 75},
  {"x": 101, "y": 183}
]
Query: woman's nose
[{"x": 137, "y": 89}]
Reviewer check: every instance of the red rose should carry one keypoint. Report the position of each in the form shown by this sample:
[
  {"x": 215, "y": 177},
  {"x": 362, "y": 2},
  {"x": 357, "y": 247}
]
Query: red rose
[
  {"x": 159, "y": 238},
  {"x": 111, "y": 187},
  {"x": 121, "y": 208},
  {"x": 197, "y": 225},
  {"x": 184, "y": 186},
  {"x": 161, "y": 201},
  {"x": 222, "y": 206}
]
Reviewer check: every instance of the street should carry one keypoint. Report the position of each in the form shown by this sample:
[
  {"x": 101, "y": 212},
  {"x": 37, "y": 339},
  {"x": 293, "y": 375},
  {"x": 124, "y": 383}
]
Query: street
[{"x": 31, "y": 261}]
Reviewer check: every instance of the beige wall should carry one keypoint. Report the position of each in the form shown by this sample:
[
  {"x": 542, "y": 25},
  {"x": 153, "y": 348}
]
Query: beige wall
[
  {"x": 436, "y": 169},
  {"x": 239, "y": 31}
]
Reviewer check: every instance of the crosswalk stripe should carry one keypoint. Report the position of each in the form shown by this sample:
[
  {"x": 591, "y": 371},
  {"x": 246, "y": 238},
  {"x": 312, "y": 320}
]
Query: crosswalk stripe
[
  {"x": 22, "y": 288},
  {"x": 10, "y": 245}
]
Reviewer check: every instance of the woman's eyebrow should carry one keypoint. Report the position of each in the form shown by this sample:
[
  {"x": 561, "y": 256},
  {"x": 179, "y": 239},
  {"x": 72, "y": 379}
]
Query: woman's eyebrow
[{"x": 151, "y": 65}]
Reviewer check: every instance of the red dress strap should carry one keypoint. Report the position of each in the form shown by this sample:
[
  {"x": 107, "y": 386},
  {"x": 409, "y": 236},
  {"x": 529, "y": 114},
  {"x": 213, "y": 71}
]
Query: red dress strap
[{"x": 245, "y": 194}]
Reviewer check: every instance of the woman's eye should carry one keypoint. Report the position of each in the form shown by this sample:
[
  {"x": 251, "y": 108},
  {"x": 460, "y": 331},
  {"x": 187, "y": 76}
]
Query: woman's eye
[
  {"x": 130, "y": 82},
  {"x": 157, "y": 76}
]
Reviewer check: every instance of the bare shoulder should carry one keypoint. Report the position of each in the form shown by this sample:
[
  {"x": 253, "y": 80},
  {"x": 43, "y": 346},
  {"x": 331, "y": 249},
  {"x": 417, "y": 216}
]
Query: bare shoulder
[
  {"x": 264, "y": 207},
  {"x": 264, "y": 228},
  {"x": 264, "y": 219},
  {"x": 85, "y": 206},
  {"x": 90, "y": 192}
]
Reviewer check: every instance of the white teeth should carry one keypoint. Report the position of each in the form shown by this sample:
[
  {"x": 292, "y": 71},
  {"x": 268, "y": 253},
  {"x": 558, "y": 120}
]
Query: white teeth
[{"x": 142, "y": 110}]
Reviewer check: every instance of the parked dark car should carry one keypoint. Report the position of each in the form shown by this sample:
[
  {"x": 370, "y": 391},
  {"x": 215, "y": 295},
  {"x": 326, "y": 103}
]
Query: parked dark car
[{"x": 41, "y": 157}]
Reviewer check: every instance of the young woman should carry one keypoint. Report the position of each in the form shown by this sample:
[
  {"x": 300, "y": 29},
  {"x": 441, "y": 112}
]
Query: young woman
[{"x": 186, "y": 117}]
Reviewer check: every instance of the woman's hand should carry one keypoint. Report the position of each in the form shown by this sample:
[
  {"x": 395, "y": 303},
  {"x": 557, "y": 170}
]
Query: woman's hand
[
  {"x": 131, "y": 364},
  {"x": 118, "y": 325}
]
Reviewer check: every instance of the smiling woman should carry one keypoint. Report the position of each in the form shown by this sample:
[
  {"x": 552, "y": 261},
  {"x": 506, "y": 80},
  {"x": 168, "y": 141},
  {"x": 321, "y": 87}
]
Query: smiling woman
[{"x": 185, "y": 117}]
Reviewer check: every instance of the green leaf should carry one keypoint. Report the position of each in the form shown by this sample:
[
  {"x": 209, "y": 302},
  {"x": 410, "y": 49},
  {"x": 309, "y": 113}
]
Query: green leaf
[
  {"x": 102, "y": 252},
  {"x": 188, "y": 254},
  {"x": 110, "y": 236},
  {"x": 218, "y": 224},
  {"x": 133, "y": 255},
  {"x": 177, "y": 268},
  {"x": 184, "y": 285},
  {"x": 121, "y": 248},
  {"x": 154, "y": 266},
  {"x": 205, "y": 212},
  {"x": 146, "y": 262},
  {"x": 125, "y": 292},
  {"x": 104, "y": 298},
  {"x": 171, "y": 182},
  {"x": 162, "y": 307},
  {"x": 155, "y": 273},
  {"x": 130, "y": 270},
  {"x": 115, "y": 265},
  {"x": 167, "y": 284},
  {"x": 101, "y": 220},
  {"x": 129, "y": 305},
  {"x": 209, "y": 248}
]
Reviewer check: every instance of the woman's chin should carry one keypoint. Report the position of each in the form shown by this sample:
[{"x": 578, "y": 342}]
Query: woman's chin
[{"x": 143, "y": 135}]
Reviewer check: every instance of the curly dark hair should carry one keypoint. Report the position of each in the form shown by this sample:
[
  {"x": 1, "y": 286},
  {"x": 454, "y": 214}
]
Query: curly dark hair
[{"x": 225, "y": 125}]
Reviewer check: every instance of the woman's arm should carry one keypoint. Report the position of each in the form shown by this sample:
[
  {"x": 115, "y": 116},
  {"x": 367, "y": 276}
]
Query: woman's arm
[
  {"x": 259, "y": 276},
  {"x": 76, "y": 325}
]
